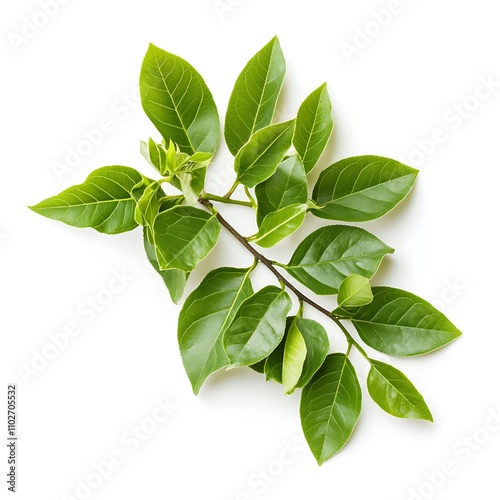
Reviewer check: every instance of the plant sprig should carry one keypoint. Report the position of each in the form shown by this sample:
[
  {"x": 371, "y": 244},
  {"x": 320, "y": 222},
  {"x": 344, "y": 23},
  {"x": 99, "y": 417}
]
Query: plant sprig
[{"x": 224, "y": 322}]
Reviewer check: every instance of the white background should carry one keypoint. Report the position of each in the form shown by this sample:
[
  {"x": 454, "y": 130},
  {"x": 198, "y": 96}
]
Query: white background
[{"x": 82, "y": 67}]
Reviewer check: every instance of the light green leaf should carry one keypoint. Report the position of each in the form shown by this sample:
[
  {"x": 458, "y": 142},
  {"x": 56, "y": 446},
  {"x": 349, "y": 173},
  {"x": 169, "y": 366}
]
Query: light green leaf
[
  {"x": 148, "y": 207},
  {"x": 317, "y": 347},
  {"x": 330, "y": 407},
  {"x": 287, "y": 186},
  {"x": 206, "y": 314},
  {"x": 362, "y": 188},
  {"x": 399, "y": 323},
  {"x": 178, "y": 102},
  {"x": 395, "y": 394},
  {"x": 191, "y": 183},
  {"x": 258, "y": 327},
  {"x": 314, "y": 127},
  {"x": 253, "y": 100},
  {"x": 259, "y": 157},
  {"x": 104, "y": 201},
  {"x": 293, "y": 358},
  {"x": 155, "y": 154},
  {"x": 174, "y": 279},
  {"x": 354, "y": 291},
  {"x": 328, "y": 255},
  {"x": 280, "y": 224},
  {"x": 184, "y": 236}
]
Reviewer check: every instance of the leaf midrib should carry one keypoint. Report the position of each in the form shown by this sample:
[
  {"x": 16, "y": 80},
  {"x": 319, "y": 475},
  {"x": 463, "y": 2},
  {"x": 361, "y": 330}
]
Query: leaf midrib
[
  {"x": 355, "y": 193},
  {"x": 245, "y": 171},
  {"x": 174, "y": 103}
]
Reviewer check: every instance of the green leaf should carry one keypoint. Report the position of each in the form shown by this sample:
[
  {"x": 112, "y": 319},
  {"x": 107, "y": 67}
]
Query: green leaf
[
  {"x": 287, "y": 186},
  {"x": 280, "y": 224},
  {"x": 399, "y": 323},
  {"x": 178, "y": 102},
  {"x": 354, "y": 291},
  {"x": 174, "y": 279},
  {"x": 259, "y": 366},
  {"x": 317, "y": 345},
  {"x": 168, "y": 202},
  {"x": 155, "y": 154},
  {"x": 314, "y": 127},
  {"x": 273, "y": 367},
  {"x": 394, "y": 393},
  {"x": 253, "y": 100},
  {"x": 328, "y": 255},
  {"x": 362, "y": 188},
  {"x": 259, "y": 157},
  {"x": 206, "y": 314},
  {"x": 293, "y": 358},
  {"x": 191, "y": 183},
  {"x": 148, "y": 207},
  {"x": 330, "y": 407},
  {"x": 258, "y": 327},
  {"x": 104, "y": 201},
  {"x": 184, "y": 236}
]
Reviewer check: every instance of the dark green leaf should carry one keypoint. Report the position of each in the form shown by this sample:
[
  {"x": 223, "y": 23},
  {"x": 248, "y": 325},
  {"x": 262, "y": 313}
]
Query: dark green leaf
[
  {"x": 273, "y": 367},
  {"x": 362, "y": 188},
  {"x": 174, "y": 279},
  {"x": 104, "y": 201},
  {"x": 253, "y": 100},
  {"x": 314, "y": 127},
  {"x": 184, "y": 236},
  {"x": 294, "y": 357},
  {"x": 168, "y": 202},
  {"x": 330, "y": 254},
  {"x": 259, "y": 157},
  {"x": 206, "y": 314},
  {"x": 288, "y": 185},
  {"x": 399, "y": 323},
  {"x": 259, "y": 366},
  {"x": 258, "y": 327},
  {"x": 317, "y": 345},
  {"x": 330, "y": 407},
  {"x": 280, "y": 224},
  {"x": 395, "y": 394},
  {"x": 178, "y": 102}
]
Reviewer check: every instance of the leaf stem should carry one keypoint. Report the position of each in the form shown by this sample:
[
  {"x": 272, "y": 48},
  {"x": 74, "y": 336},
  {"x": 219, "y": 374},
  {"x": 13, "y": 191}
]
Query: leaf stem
[
  {"x": 253, "y": 203},
  {"x": 225, "y": 199},
  {"x": 232, "y": 189}
]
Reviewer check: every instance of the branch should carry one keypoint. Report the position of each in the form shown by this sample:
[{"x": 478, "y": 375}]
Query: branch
[{"x": 268, "y": 263}]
